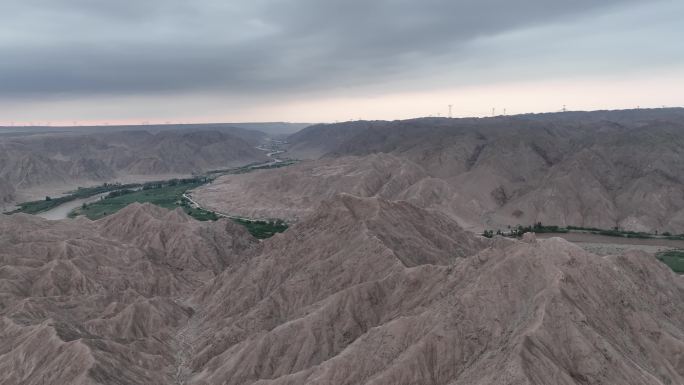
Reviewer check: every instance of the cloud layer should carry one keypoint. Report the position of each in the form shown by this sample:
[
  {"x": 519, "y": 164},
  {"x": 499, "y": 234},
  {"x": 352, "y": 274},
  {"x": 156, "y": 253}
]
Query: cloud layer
[
  {"x": 71, "y": 49},
  {"x": 103, "y": 46}
]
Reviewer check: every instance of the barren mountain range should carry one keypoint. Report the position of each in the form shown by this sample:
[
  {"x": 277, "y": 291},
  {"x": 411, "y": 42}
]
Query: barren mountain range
[
  {"x": 376, "y": 281},
  {"x": 68, "y": 158},
  {"x": 89, "y": 303},
  {"x": 361, "y": 291},
  {"x": 596, "y": 169},
  {"x": 298, "y": 190}
]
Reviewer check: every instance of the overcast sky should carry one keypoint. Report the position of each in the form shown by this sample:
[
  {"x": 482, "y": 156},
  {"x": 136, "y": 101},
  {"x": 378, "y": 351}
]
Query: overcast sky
[{"x": 127, "y": 61}]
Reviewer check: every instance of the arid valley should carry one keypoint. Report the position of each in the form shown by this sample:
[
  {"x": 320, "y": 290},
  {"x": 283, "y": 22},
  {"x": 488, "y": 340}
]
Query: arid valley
[
  {"x": 340, "y": 192},
  {"x": 379, "y": 273}
]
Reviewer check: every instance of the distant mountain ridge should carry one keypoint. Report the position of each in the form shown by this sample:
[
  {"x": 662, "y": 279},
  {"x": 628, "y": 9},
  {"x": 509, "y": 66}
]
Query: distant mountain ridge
[
  {"x": 271, "y": 128},
  {"x": 571, "y": 168},
  {"x": 67, "y": 158}
]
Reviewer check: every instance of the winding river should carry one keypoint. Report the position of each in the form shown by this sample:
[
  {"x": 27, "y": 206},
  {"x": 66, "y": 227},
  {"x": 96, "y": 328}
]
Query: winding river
[{"x": 62, "y": 211}]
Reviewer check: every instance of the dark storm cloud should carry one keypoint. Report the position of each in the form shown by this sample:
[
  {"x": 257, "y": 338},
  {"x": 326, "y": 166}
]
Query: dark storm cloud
[{"x": 83, "y": 47}]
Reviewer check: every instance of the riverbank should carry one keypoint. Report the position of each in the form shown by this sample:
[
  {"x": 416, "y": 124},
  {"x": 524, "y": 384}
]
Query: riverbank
[
  {"x": 62, "y": 211},
  {"x": 50, "y": 206},
  {"x": 581, "y": 237},
  {"x": 100, "y": 201}
]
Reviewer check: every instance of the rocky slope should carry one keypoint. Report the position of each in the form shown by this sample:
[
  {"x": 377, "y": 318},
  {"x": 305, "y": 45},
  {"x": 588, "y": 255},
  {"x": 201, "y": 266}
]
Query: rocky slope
[
  {"x": 362, "y": 291},
  {"x": 366, "y": 291},
  {"x": 538, "y": 313},
  {"x": 598, "y": 169},
  {"x": 6, "y": 191},
  {"x": 99, "y": 302},
  {"x": 294, "y": 192}
]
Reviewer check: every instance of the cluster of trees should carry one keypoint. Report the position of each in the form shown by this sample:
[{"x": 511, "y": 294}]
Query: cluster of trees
[
  {"x": 85, "y": 192},
  {"x": 618, "y": 232},
  {"x": 119, "y": 193},
  {"x": 198, "y": 180},
  {"x": 263, "y": 229},
  {"x": 193, "y": 180},
  {"x": 518, "y": 231}
]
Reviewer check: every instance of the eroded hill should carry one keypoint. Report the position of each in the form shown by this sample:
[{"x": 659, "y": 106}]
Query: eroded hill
[
  {"x": 361, "y": 291},
  {"x": 6, "y": 191},
  {"x": 100, "y": 302}
]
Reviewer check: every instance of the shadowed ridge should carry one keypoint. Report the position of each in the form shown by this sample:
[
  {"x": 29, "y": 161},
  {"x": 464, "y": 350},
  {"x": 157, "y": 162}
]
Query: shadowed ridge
[
  {"x": 363, "y": 291},
  {"x": 416, "y": 236},
  {"x": 85, "y": 302},
  {"x": 294, "y": 192},
  {"x": 519, "y": 312},
  {"x": 360, "y": 208},
  {"x": 177, "y": 215},
  {"x": 31, "y": 350},
  {"x": 323, "y": 264},
  {"x": 175, "y": 238},
  {"x": 135, "y": 211},
  {"x": 6, "y": 191}
]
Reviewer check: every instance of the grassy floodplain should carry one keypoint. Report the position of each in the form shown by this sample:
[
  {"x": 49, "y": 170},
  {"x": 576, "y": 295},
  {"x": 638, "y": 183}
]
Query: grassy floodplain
[
  {"x": 674, "y": 259},
  {"x": 167, "y": 194},
  {"x": 164, "y": 195},
  {"x": 39, "y": 206}
]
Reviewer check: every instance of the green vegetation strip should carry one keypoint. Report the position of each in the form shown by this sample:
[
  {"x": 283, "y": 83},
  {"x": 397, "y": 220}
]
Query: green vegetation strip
[
  {"x": 519, "y": 230},
  {"x": 263, "y": 229},
  {"x": 253, "y": 167},
  {"x": 674, "y": 259},
  {"x": 616, "y": 232},
  {"x": 170, "y": 196},
  {"x": 167, "y": 194},
  {"x": 36, "y": 207}
]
